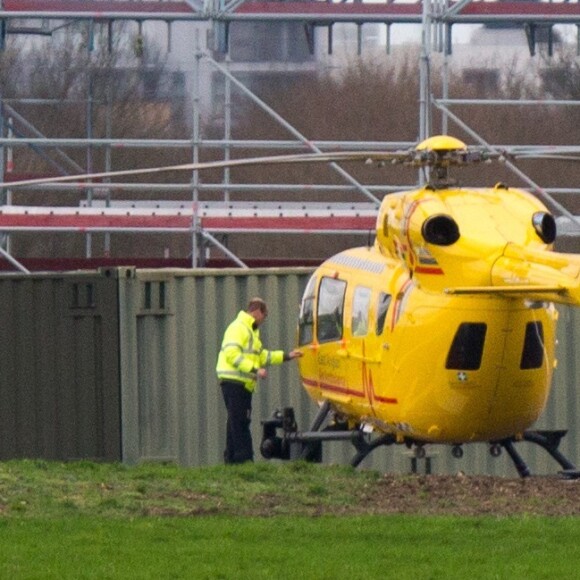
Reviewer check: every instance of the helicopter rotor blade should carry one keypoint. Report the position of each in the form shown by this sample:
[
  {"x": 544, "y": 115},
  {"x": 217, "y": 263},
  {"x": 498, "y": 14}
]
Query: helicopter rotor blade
[
  {"x": 410, "y": 157},
  {"x": 548, "y": 156},
  {"x": 413, "y": 157},
  {"x": 366, "y": 156}
]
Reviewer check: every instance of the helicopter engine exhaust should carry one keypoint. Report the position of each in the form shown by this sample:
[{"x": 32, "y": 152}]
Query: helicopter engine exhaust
[{"x": 441, "y": 230}]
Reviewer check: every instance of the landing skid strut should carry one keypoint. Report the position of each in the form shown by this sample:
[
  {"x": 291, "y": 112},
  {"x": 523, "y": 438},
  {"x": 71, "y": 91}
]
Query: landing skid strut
[
  {"x": 548, "y": 440},
  {"x": 307, "y": 445}
]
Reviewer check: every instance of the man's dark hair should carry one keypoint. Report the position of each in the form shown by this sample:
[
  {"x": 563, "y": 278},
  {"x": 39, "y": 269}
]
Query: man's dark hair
[{"x": 257, "y": 304}]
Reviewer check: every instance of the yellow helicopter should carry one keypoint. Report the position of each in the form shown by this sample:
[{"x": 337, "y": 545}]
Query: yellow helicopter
[{"x": 443, "y": 331}]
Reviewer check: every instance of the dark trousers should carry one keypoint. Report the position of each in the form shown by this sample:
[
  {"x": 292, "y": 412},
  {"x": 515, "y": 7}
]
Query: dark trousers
[{"x": 238, "y": 402}]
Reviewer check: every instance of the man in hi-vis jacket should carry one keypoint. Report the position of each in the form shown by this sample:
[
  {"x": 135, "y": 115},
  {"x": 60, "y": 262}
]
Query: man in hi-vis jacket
[{"x": 241, "y": 362}]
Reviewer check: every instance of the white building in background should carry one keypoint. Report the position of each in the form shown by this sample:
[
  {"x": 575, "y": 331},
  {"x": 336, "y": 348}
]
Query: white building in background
[
  {"x": 281, "y": 53},
  {"x": 492, "y": 52},
  {"x": 480, "y": 53},
  {"x": 260, "y": 55},
  {"x": 263, "y": 54}
]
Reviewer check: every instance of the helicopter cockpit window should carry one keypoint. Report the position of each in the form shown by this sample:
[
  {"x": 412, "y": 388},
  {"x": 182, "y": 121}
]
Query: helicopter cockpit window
[
  {"x": 306, "y": 319},
  {"x": 467, "y": 347},
  {"x": 361, "y": 302},
  {"x": 533, "y": 351},
  {"x": 330, "y": 309},
  {"x": 382, "y": 308}
]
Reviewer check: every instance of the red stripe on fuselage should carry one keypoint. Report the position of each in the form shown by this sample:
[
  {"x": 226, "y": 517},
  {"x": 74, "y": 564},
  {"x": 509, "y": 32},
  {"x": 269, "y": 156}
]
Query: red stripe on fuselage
[
  {"x": 347, "y": 391},
  {"x": 428, "y": 270}
]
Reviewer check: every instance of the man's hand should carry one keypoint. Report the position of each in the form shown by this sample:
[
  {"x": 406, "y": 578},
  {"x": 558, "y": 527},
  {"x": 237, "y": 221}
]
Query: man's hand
[
  {"x": 295, "y": 353},
  {"x": 262, "y": 373}
]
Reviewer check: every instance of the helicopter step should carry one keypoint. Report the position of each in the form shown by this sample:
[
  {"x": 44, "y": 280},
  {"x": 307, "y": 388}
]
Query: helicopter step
[
  {"x": 293, "y": 444},
  {"x": 307, "y": 445}
]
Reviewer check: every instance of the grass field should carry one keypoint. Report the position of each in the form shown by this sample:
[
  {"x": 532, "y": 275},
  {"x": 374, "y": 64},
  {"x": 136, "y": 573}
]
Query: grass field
[
  {"x": 288, "y": 547},
  {"x": 84, "y": 520}
]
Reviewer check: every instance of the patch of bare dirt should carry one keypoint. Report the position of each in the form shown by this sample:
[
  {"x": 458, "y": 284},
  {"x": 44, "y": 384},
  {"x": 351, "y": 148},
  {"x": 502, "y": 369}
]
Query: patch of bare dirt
[
  {"x": 452, "y": 495},
  {"x": 473, "y": 495},
  {"x": 444, "y": 495}
]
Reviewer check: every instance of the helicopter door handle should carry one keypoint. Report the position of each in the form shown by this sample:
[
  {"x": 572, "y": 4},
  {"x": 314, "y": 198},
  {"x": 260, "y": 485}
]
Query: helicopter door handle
[{"x": 360, "y": 357}]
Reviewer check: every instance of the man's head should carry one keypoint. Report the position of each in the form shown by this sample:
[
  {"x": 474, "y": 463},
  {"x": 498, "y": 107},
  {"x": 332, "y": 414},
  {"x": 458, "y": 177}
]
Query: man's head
[{"x": 258, "y": 310}]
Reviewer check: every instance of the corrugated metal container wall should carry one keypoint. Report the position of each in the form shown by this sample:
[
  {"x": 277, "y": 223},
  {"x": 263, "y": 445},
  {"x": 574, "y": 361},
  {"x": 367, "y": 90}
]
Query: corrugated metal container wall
[
  {"x": 171, "y": 328},
  {"x": 563, "y": 409},
  {"x": 172, "y": 324},
  {"x": 59, "y": 386}
]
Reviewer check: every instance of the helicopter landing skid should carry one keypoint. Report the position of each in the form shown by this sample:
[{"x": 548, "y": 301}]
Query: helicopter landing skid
[
  {"x": 294, "y": 444},
  {"x": 307, "y": 445},
  {"x": 548, "y": 440}
]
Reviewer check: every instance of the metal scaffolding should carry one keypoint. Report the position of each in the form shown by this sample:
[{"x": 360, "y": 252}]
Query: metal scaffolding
[{"x": 206, "y": 221}]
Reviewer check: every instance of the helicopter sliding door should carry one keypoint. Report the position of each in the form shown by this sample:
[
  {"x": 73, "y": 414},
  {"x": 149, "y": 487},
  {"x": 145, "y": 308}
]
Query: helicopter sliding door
[
  {"x": 358, "y": 314},
  {"x": 526, "y": 368},
  {"x": 365, "y": 345},
  {"x": 321, "y": 327},
  {"x": 329, "y": 334}
]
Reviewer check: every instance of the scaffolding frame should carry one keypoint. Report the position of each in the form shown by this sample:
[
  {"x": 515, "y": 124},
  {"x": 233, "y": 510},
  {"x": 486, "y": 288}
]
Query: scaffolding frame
[{"x": 204, "y": 224}]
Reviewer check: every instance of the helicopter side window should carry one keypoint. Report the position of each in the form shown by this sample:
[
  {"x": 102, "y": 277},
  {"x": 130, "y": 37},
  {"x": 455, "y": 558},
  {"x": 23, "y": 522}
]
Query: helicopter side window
[
  {"x": 467, "y": 347},
  {"x": 306, "y": 318},
  {"x": 533, "y": 351},
  {"x": 330, "y": 309},
  {"x": 382, "y": 308},
  {"x": 361, "y": 301}
]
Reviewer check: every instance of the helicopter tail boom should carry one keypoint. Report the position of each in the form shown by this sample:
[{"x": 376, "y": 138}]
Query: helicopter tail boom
[{"x": 539, "y": 273}]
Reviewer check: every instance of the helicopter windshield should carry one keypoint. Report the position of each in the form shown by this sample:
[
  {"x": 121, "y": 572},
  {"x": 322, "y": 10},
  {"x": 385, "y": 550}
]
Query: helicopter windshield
[{"x": 306, "y": 319}]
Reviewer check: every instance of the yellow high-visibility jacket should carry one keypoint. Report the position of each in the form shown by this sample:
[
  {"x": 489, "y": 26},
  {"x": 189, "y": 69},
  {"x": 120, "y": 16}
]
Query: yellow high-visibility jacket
[{"x": 242, "y": 353}]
